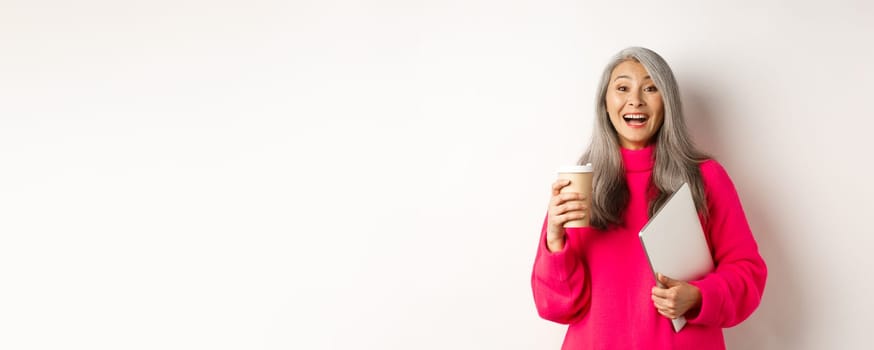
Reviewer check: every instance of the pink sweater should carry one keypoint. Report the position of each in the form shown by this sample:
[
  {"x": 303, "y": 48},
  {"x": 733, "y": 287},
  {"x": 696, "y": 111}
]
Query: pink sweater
[{"x": 600, "y": 283}]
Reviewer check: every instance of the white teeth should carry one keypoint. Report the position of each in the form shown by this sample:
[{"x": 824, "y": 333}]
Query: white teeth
[{"x": 635, "y": 116}]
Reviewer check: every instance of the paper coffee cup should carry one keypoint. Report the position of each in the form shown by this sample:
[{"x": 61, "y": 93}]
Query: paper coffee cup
[{"x": 581, "y": 182}]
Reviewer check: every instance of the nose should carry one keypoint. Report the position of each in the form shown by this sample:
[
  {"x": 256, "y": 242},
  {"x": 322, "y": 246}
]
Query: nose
[{"x": 634, "y": 99}]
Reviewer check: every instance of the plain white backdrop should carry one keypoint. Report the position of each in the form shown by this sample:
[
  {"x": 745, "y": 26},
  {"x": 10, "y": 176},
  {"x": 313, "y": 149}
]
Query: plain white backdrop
[{"x": 373, "y": 174}]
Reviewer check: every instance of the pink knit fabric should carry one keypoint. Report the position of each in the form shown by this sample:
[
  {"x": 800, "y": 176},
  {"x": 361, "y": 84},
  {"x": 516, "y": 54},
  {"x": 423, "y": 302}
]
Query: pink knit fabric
[{"x": 600, "y": 283}]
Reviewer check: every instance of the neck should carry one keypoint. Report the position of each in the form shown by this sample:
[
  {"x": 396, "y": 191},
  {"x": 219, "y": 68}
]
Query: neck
[{"x": 634, "y": 146}]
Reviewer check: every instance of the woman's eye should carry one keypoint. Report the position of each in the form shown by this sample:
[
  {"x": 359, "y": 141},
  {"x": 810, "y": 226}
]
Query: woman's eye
[
  {"x": 622, "y": 88},
  {"x": 651, "y": 89}
]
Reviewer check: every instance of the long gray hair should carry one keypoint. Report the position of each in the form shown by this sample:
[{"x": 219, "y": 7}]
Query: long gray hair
[{"x": 676, "y": 158}]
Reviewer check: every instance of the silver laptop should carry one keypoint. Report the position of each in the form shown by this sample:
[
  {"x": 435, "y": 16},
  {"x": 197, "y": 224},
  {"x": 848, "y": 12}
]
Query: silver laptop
[{"x": 674, "y": 242}]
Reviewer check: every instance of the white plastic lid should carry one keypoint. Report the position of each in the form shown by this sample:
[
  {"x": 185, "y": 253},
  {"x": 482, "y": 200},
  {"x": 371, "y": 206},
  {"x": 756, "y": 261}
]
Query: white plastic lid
[{"x": 576, "y": 168}]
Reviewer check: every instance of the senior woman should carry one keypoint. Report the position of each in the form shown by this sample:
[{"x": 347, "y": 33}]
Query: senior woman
[{"x": 597, "y": 279}]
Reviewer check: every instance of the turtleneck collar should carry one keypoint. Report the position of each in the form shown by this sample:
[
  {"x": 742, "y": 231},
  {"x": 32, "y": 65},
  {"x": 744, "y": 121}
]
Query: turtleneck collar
[{"x": 638, "y": 160}]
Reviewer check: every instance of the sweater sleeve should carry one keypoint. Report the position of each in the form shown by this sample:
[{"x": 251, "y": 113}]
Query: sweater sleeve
[
  {"x": 734, "y": 289},
  {"x": 559, "y": 280}
]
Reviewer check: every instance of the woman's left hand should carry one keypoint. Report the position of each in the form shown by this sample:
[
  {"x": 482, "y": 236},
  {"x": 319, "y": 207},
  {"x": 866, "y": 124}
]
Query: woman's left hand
[{"x": 676, "y": 298}]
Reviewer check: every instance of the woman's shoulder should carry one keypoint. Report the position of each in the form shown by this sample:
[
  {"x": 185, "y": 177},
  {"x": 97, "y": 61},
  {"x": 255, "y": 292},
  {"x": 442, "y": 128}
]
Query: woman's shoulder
[
  {"x": 710, "y": 167},
  {"x": 714, "y": 175}
]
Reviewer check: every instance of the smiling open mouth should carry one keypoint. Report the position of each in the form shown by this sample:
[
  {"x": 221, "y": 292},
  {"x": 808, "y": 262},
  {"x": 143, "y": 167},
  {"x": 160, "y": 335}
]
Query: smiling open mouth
[{"x": 635, "y": 119}]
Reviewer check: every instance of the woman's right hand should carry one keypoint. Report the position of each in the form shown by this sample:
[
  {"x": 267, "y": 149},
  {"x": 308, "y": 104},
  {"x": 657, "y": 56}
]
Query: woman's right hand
[{"x": 563, "y": 207}]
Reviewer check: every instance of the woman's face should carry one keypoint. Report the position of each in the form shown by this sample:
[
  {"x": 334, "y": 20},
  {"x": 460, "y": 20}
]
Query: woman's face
[{"x": 634, "y": 104}]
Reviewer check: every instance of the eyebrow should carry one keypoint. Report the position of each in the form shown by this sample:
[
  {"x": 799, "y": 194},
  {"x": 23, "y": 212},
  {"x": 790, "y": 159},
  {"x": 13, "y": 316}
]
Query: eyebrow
[{"x": 627, "y": 77}]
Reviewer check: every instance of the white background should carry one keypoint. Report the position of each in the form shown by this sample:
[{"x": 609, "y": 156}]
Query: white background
[{"x": 373, "y": 174}]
